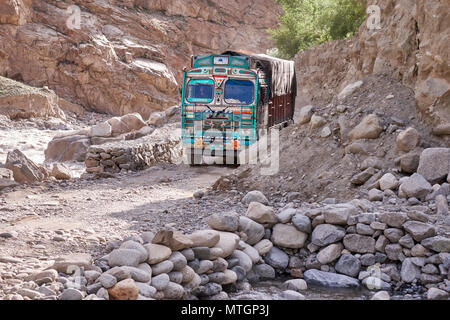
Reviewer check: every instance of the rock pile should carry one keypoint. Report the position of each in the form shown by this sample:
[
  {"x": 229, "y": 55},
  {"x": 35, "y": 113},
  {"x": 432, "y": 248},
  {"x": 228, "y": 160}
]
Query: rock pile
[
  {"x": 339, "y": 245},
  {"x": 134, "y": 154}
]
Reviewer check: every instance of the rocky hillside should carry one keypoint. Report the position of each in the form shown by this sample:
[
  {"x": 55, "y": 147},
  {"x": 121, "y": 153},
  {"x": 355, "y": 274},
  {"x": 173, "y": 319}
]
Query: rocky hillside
[
  {"x": 411, "y": 46},
  {"x": 127, "y": 55}
]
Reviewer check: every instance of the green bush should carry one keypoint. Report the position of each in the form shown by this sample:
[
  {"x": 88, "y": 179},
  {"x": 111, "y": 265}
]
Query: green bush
[{"x": 306, "y": 23}]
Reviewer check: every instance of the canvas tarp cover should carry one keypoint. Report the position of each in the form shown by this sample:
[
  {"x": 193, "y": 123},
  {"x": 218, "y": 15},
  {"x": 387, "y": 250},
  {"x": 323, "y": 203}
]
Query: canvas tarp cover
[{"x": 281, "y": 72}]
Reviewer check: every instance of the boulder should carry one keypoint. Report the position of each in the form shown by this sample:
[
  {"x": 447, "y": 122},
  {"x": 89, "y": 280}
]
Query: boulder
[
  {"x": 302, "y": 223},
  {"x": 255, "y": 196},
  {"x": 434, "y": 164},
  {"x": 438, "y": 244},
  {"x": 124, "y": 257},
  {"x": 61, "y": 172},
  {"x": 124, "y": 290},
  {"x": 263, "y": 246},
  {"x": 409, "y": 271},
  {"x": 277, "y": 258},
  {"x": 408, "y": 139},
  {"x": 369, "y": 128},
  {"x": 68, "y": 148},
  {"x": 157, "y": 253},
  {"x": 349, "y": 265},
  {"x": 330, "y": 253},
  {"x": 224, "y": 221},
  {"x": 288, "y": 236},
  {"x": 388, "y": 182},
  {"x": 338, "y": 214},
  {"x": 24, "y": 170},
  {"x": 437, "y": 294},
  {"x": 261, "y": 214},
  {"x": 329, "y": 280},
  {"x": 419, "y": 230},
  {"x": 173, "y": 239},
  {"x": 204, "y": 238},
  {"x": 359, "y": 244},
  {"x": 325, "y": 234},
  {"x": 228, "y": 243},
  {"x": 393, "y": 219},
  {"x": 253, "y": 230},
  {"x": 102, "y": 129},
  {"x": 304, "y": 116},
  {"x": 409, "y": 162},
  {"x": 350, "y": 89}
]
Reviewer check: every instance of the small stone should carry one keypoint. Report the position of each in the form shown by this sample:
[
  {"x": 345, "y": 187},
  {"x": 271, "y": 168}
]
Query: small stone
[
  {"x": 330, "y": 253},
  {"x": 124, "y": 290},
  {"x": 124, "y": 257},
  {"x": 277, "y": 258},
  {"x": 157, "y": 253},
  {"x": 288, "y": 236},
  {"x": 263, "y": 246}
]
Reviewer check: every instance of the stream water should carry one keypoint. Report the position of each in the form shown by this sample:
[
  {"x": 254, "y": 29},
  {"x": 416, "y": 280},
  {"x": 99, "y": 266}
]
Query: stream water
[{"x": 271, "y": 290}]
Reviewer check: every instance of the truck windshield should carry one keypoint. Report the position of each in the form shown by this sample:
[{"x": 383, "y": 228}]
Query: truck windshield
[
  {"x": 200, "y": 91},
  {"x": 239, "y": 91}
]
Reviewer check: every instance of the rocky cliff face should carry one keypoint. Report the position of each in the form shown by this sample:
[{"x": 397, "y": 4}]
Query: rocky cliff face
[
  {"x": 411, "y": 45},
  {"x": 125, "y": 55}
]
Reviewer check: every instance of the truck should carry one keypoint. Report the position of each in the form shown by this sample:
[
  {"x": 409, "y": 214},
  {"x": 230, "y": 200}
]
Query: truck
[{"x": 229, "y": 100}]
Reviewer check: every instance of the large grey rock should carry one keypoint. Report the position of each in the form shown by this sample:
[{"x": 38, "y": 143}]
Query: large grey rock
[
  {"x": 161, "y": 281},
  {"x": 138, "y": 275},
  {"x": 304, "y": 115},
  {"x": 228, "y": 221},
  {"x": 349, "y": 265},
  {"x": 295, "y": 284},
  {"x": 434, "y": 164},
  {"x": 325, "y": 234},
  {"x": 438, "y": 244},
  {"x": 173, "y": 291},
  {"x": 415, "y": 187},
  {"x": 253, "y": 230},
  {"x": 302, "y": 223},
  {"x": 244, "y": 260},
  {"x": 409, "y": 271},
  {"x": 419, "y": 230},
  {"x": 130, "y": 244},
  {"x": 179, "y": 260},
  {"x": 71, "y": 294},
  {"x": 124, "y": 257},
  {"x": 287, "y": 236},
  {"x": 209, "y": 289},
  {"x": 375, "y": 283},
  {"x": 292, "y": 295},
  {"x": 261, "y": 214},
  {"x": 330, "y": 253},
  {"x": 162, "y": 267},
  {"x": 437, "y": 294},
  {"x": 277, "y": 258},
  {"x": 255, "y": 196},
  {"x": 264, "y": 271},
  {"x": 359, "y": 244},
  {"x": 329, "y": 280},
  {"x": 393, "y": 219},
  {"x": 285, "y": 215},
  {"x": 339, "y": 213}
]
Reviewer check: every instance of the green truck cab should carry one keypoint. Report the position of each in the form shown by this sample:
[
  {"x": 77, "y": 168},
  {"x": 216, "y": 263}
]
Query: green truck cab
[{"x": 228, "y": 99}]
